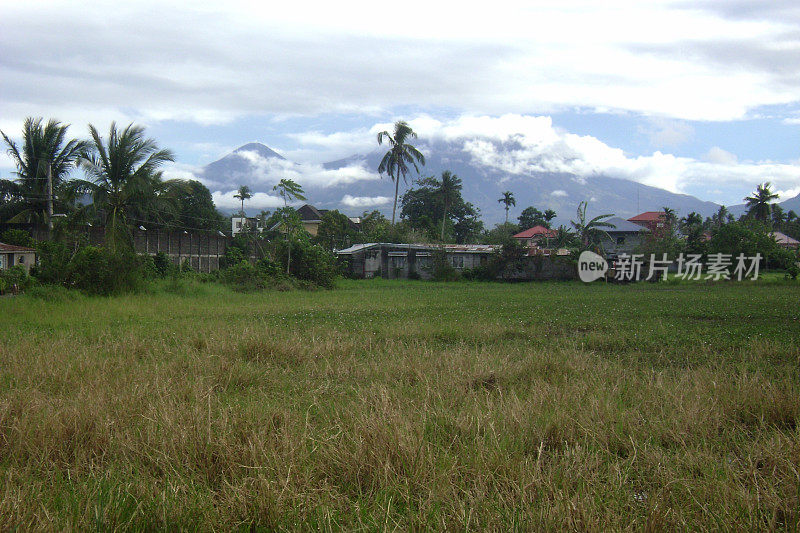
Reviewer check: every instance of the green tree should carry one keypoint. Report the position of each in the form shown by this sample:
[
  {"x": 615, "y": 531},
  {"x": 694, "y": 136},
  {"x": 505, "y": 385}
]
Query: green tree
[
  {"x": 531, "y": 217},
  {"x": 758, "y": 205},
  {"x": 244, "y": 193},
  {"x": 124, "y": 179},
  {"x": 589, "y": 232},
  {"x": 422, "y": 208},
  {"x": 374, "y": 227},
  {"x": 44, "y": 148},
  {"x": 450, "y": 191},
  {"x": 195, "y": 207},
  {"x": 289, "y": 191},
  {"x": 335, "y": 230},
  {"x": 401, "y": 154},
  {"x": 507, "y": 200}
]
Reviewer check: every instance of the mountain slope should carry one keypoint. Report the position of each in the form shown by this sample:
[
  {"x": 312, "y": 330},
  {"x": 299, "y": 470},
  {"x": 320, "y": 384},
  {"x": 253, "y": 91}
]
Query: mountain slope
[{"x": 352, "y": 184}]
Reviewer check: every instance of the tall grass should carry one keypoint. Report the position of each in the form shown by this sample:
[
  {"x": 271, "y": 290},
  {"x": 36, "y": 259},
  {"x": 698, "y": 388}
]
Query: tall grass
[{"x": 403, "y": 406}]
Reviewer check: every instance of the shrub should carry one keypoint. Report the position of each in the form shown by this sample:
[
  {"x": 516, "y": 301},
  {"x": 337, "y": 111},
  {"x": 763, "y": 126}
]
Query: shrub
[
  {"x": 310, "y": 262},
  {"x": 243, "y": 277},
  {"x": 54, "y": 258},
  {"x": 14, "y": 279},
  {"x": 163, "y": 264},
  {"x": 96, "y": 270},
  {"x": 442, "y": 269},
  {"x": 17, "y": 237}
]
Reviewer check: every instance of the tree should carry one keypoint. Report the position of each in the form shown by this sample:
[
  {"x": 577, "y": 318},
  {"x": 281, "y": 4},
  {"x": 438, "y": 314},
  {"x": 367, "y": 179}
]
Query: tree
[
  {"x": 758, "y": 205},
  {"x": 335, "y": 230},
  {"x": 395, "y": 162},
  {"x": 531, "y": 217},
  {"x": 243, "y": 194},
  {"x": 450, "y": 190},
  {"x": 422, "y": 209},
  {"x": 374, "y": 227},
  {"x": 590, "y": 231},
  {"x": 564, "y": 238},
  {"x": 778, "y": 215},
  {"x": 124, "y": 178},
  {"x": 670, "y": 216},
  {"x": 507, "y": 200},
  {"x": 195, "y": 207},
  {"x": 44, "y": 148},
  {"x": 289, "y": 190},
  {"x": 721, "y": 217}
]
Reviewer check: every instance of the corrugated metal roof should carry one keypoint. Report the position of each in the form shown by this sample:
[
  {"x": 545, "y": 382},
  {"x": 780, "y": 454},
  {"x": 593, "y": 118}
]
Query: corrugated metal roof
[
  {"x": 534, "y": 231},
  {"x": 452, "y": 248},
  {"x": 623, "y": 226}
]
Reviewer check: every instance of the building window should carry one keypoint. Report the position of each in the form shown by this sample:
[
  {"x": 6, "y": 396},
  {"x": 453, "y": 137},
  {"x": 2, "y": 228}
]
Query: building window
[
  {"x": 458, "y": 261},
  {"x": 620, "y": 241},
  {"x": 21, "y": 260}
]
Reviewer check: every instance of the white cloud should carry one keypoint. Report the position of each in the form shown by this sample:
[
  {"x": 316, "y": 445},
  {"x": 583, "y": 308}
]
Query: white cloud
[
  {"x": 664, "y": 132},
  {"x": 260, "y": 200},
  {"x": 244, "y": 59},
  {"x": 365, "y": 201},
  {"x": 522, "y": 144},
  {"x": 788, "y": 194},
  {"x": 720, "y": 156},
  {"x": 558, "y": 193}
]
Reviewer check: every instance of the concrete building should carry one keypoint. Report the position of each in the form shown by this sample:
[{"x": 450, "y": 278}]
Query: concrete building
[
  {"x": 389, "y": 260},
  {"x": 624, "y": 237},
  {"x": 11, "y": 255}
]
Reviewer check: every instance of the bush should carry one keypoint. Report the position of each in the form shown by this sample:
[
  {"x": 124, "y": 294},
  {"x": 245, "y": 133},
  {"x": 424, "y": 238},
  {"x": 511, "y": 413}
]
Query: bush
[
  {"x": 14, "y": 279},
  {"x": 17, "y": 237},
  {"x": 163, "y": 264},
  {"x": 442, "y": 269},
  {"x": 54, "y": 258},
  {"x": 243, "y": 277},
  {"x": 96, "y": 270},
  {"x": 310, "y": 262},
  {"x": 50, "y": 293}
]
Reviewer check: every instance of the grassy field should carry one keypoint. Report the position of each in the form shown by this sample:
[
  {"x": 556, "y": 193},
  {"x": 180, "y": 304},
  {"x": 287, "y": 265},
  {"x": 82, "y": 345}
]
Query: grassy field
[{"x": 404, "y": 405}]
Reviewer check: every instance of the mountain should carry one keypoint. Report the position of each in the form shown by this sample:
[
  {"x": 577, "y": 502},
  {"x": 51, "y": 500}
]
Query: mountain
[{"x": 355, "y": 177}]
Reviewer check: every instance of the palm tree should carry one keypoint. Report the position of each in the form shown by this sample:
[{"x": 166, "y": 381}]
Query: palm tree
[
  {"x": 124, "y": 178},
  {"x": 564, "y": 238},
  {"x": 243, "y": 194},
  {"x": 395, "y": 162},
  {"x": 508, "y": 200},
  {"x": 758, "y": 205},
  {"x": 720, "y": 218},
  {"x": 449, "y": 188},
  {"x": 589, "y": 231},
  {"x": 288, "y": 190},
  {"x": 44, "y": 148}
]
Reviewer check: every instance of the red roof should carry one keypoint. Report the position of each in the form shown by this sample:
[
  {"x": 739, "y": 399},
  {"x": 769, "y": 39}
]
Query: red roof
[
  {"x": 648, "y": 216},
  {"x": 536, "y": 231},
  {"x": 13, "y": 248}
]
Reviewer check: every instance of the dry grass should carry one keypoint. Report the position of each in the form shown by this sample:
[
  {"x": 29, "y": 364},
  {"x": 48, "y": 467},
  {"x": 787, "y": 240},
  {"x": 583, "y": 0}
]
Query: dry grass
[{"x": 403, "y": 406}]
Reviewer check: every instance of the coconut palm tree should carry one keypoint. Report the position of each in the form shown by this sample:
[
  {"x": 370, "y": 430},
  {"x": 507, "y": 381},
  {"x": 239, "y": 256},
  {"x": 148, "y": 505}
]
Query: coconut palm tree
[
  {"x": 124, "y": 179},
  {"x": 758, "y": 205},
  {"x": 508, "y": 200},
  {"x": 44, "y": 148},
  {"x": 289, "y": 190},
  {"x": 589, "y": 232},
  {"x": 449, "y": 189},
  {"x": 401, "y": 154},
  {"x": 243, "y": 194}
]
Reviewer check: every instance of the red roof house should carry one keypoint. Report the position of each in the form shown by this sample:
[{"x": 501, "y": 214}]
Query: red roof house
[
  {"x": 12, "y": 255},
  {"x": 652, "y": 220}
]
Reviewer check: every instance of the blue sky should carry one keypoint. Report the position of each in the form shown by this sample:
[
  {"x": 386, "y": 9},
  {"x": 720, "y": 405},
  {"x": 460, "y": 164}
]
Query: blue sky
[{"x": 699, "y": 97}]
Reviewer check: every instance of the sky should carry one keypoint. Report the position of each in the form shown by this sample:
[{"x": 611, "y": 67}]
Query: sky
[{"x": 699, "y": 97}]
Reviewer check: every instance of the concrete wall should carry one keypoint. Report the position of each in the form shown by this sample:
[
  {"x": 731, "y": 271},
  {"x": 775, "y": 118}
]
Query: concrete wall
[{"x": 24, "y": 259}]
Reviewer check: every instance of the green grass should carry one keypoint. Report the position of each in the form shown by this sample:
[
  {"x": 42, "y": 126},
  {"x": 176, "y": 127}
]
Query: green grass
[{"x": 403, "y": 405}]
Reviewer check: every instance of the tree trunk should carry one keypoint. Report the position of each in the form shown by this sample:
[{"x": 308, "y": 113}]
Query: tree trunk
[
  {"x": 444, "y": 218},
  {"x": 396, "y": 190}
]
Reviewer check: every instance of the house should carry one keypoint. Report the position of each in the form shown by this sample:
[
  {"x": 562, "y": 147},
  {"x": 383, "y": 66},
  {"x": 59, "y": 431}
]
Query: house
[
  {"x": 239, "y": 224},
  {"x": 12, "y": 255},
  {"x": 536, "y": 236},
  {"x": 311, "y": 218},
  {"x": 624, "y": 237},
  {"x": 784, "y": 241},
  {"x": 390, "y": 260},
  {"x": 654, "y": 221}
]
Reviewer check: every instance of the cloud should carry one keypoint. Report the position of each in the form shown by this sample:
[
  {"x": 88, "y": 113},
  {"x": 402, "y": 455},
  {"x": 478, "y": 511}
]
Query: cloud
[
  {"x": 664, "y": 132},
  {"x": 559, "y": 193},
  {"x": 260, "y": 200},
  {"x": 244, "y": 59},
  {"x": 524, "y": 145},
  {"x": 365, "y": 201},
  {"x": 719, "y": 156}
]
